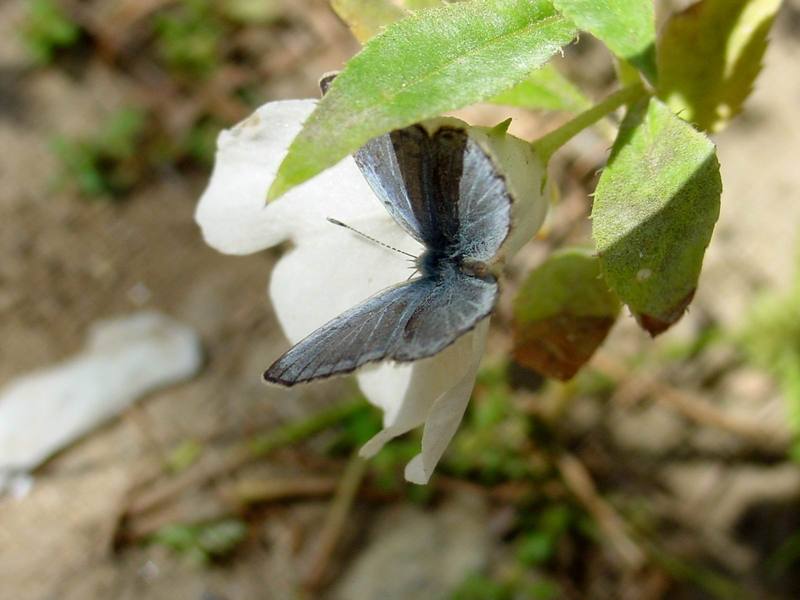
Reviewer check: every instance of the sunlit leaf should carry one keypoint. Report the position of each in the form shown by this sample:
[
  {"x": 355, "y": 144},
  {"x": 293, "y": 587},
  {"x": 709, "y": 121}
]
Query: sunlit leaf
[
  {"x": 709, "y": 56},
  {"x": 562, "y": 314},
  {"x": 627, "y": 27},
  {"x": 431, "y": 62},
  {"x": 366, "y": 18},
  {"x": 417, "y": 4},
  {"x": 545, "y": 89},
  {"x": 654, "y": 211}
]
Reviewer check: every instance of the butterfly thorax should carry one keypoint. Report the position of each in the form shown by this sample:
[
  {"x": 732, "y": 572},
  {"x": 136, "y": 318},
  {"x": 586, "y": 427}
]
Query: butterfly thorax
[{"x": 433, "y": 263}]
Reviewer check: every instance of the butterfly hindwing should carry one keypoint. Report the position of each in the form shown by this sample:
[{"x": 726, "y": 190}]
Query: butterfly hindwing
[
  {"x": 404, "y": 323},
  {"x": 360, "y": 335},
  {"x": 454, "y": 306}
]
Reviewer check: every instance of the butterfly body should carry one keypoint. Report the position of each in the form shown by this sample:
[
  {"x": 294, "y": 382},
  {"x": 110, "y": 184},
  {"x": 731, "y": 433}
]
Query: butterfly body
[{"x": 442, "y": 188}]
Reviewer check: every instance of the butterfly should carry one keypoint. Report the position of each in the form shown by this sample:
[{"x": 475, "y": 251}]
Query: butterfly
[{"x": 445, "y": 191}]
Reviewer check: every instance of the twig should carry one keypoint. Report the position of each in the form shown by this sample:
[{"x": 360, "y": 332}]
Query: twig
[
  {"x": 253, "y": 491},
  {"x": 335, "y": 522},
  {"x": 695, "y": 408},
  {"x": 234, "y": 498},
  {"x": 580, "y": 483},
  {"x": 258, "y": 447}
]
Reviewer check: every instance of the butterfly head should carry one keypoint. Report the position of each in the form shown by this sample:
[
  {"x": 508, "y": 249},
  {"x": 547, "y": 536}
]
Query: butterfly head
[{"x": 430, "y": 262}]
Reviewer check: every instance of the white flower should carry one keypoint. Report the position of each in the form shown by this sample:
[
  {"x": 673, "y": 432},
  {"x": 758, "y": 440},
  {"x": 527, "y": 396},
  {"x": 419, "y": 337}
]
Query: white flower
[{"x": 328, "y": 269}]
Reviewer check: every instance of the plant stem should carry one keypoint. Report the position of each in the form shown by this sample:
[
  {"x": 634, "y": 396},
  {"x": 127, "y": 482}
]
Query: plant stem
[{"x": 546, "y": 145}]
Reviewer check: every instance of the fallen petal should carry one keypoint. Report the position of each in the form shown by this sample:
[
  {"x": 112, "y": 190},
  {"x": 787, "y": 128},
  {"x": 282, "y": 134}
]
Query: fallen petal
[{"x": 43, "y": 411}]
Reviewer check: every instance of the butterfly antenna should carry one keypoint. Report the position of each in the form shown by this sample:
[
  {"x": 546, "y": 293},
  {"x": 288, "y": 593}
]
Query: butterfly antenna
[{"x": 371, "y": 239}]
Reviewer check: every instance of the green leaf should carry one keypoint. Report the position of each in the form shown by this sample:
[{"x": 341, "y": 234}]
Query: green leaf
[
  {"x": 627, "y": 27},
  {"x": 418, "y": 4},
  {"x": 434, "y": 61},
  {"x": 545, "y": 89},
  {"x": 654, "y": 211},
  {"x": 219, "y": 539},
  {"x": 709, "y": 56},
  {"x": 535, "y": 548},
  {"x": 366, "y": 18},
  {"x": 562, "y": 314}
]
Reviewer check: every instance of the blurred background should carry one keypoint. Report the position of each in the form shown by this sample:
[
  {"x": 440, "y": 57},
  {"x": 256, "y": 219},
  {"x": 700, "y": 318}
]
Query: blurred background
[{"x": 666, "y": 469}]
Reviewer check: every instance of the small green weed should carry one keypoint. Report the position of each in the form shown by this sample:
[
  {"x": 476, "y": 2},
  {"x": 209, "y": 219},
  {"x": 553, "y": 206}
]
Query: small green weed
[
  {"x": 189, "y": 38},
  {"x": 47, "y": 29},
  {"x": 204, "y": 543},
  {"x": 106, "y": 164}
]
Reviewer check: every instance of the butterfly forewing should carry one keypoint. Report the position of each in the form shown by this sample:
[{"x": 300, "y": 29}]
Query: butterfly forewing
[{"x": 404, "y": 323}]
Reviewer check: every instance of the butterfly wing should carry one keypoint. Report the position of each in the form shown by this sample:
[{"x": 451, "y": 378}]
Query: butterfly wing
[
  {"x": 379, "y": 163},
  {"x": 454, "y": 305},
  {"x": 404, "y": 323},
  {"x": 484, "y": 205},
  {"x": 442, "y": 188}
]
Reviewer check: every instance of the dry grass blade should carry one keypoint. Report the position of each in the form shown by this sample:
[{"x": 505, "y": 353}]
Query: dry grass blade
[
  {"x": 695, "y": 408},
  {"x": 335, "y": 522},
  {"x": 580, "y": 483}
]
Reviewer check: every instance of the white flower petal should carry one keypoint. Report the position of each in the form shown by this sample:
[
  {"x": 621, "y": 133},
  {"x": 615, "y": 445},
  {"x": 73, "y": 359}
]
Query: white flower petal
[
  {"x": 406, "y": 392},
  {"x": 446, "y": 414},
  {"x": 232, "y": 211},
  {"x": 524, "y": 173},
  {"x": 334, "y": 269}
]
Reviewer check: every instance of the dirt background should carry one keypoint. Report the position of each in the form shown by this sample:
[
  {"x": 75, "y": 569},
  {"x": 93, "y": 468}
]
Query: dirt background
[{"x": 727, "y": 500}]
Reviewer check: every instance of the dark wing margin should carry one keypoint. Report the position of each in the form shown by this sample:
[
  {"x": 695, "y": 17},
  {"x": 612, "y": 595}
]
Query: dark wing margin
[{"x": 404, "y": 323}]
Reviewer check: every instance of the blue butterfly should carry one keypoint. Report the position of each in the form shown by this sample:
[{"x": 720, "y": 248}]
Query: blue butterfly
[{"x": 443, "y": 190}]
